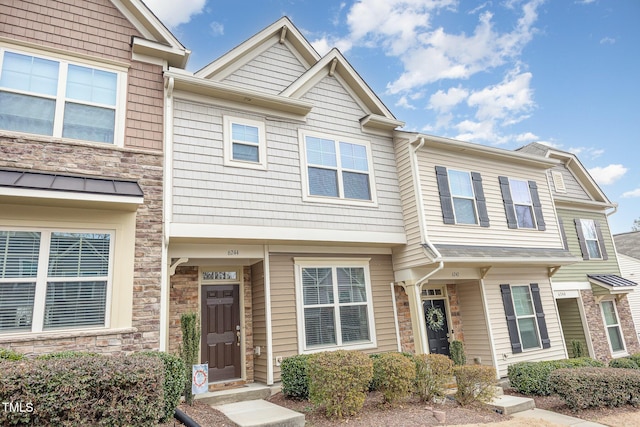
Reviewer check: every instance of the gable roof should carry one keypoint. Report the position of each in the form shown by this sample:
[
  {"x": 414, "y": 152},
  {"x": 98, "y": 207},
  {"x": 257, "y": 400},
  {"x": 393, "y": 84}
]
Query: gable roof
[
  {"x": 209, "y": 80},
  {"x": 158, "y": 41},
  {"x": 628, "y": 244},
  {"x": 573, "y": 164}
]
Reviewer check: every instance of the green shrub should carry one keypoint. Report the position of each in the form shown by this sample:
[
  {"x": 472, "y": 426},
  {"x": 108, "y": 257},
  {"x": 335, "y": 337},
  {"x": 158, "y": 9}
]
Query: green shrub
[
  {"x": 476, "y": 383},
  {"x": 395, "y": 375},
  {"x": 101, "y": 390},
  {"x": 338, "y": 380},
  {"x": 189, "y": 349},
  {"x": 623, "y": 362},
  {"x": 456, "y": 348},
  {"x": 174, "y": 371},
  {"x": 597, "y": 387},
  {"x": 6, "y": 354},
  {"x": 636, "y": 358},
  {"x": 577, "y": 349},
  {"x": 294, "y": 376},
  {"x": 66, "y": 355},
  {"x": 432, "y": 373},
  {"x": 532, "y": 378}
]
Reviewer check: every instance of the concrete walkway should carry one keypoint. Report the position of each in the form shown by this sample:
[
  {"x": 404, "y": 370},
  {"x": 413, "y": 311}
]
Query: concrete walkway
[
  {"x": 260, "y": 413},
  {"x": 554, "y": 417}
]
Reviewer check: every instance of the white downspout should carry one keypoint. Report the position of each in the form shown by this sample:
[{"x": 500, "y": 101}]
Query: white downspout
[
  {"x": 267, "y": 314},
  {"x": 167, "y": 172},
  {"x": 422, "y": 222},
  {"x": 395, "y": 317}
]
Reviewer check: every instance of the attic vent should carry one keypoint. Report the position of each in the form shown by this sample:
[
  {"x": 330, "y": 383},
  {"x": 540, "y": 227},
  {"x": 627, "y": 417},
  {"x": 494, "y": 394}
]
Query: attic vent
[{"x": 558, "y": 182}]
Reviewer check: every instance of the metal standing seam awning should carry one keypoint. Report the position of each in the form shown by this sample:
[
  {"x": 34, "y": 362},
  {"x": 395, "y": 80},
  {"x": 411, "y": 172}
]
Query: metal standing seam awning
[
  {"x": 613, "y": 283},
  {"x": 27, "y": 183}
]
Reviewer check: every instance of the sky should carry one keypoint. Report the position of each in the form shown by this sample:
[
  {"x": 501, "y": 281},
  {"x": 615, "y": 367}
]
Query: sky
[{"x": 502, "y": 73}]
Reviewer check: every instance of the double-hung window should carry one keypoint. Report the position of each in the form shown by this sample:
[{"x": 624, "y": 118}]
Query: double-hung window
[
  {"x": 591, "y": 240},
  {"x": 337, "y": 169},
  {"x": 522, "y": 203},
  {"x": 44, "y": 96},
  {"x": 525, "y": 317},
  {"x": 245, "y": 143},
  {"x": 53, "y": 279},
  {"x": 612, "y": 324},
  {"x": 334, "y": 304},
  {"x": 464, "y": 202}
]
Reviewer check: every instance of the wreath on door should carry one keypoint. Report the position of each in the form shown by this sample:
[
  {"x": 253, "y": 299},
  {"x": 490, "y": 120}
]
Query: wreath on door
[{"x": 435, "y": 319}]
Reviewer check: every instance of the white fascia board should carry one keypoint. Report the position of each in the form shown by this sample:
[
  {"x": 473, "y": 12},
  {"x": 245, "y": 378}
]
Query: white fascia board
[
  {"x": 32, "y": 194},
  {"x": 283, "y": 234},
  {"x": 175, "y": 57}
]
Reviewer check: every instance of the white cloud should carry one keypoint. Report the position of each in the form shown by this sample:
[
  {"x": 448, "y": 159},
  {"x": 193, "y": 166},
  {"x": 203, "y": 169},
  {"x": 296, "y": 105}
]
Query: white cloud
[
  {"x": 631, "y": 194},
  {"x": 174, "y": 13},
  {"x": 445, "y": 101},
  {"x": 404, "y": 103},
  {"x": 527, "y": 137},
  {"x": 506, "y": 100},
  {"x": 608, "y": 174},
  {"x": 607, "y": 40},
  {"x": 217, "y": 29}
]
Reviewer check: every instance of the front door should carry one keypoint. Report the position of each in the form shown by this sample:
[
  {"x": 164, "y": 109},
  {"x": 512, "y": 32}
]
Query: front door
[
  {"x": 221, "y": 331},
  {"x": 435, "y": 316}
]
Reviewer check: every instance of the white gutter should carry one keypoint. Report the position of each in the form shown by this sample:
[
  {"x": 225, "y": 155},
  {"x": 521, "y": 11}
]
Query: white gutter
[
  {"x": 395, "y": 317},
  {"x": 166, "y": 213},
  {"x": 267, "y": 314}
]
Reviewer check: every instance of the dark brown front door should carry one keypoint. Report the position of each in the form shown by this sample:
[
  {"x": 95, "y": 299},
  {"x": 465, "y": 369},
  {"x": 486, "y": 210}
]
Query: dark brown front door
[
  {"x": 437, "y": 332},
  {"x": 221, "y": 331}
]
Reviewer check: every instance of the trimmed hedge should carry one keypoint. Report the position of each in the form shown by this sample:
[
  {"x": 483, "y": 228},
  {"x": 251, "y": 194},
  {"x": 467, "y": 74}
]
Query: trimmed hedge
[
  {"x": 101, "y": 390},
  {"x": 476, "y": 383},
  {"x": 6, "y": 354},
  {"x": 66, "y": 355},
  {"x": 597, "y": 387},
  {"x": 432, "y": 373},
  {"x": 294, "y": 375},
  {"x": 338, "y": 380},
  {"x": 174, "y": 371},
  {"x": 532, "y": 378},
  {"x": 394, "y": 375},
  {"x": 623, "y": 362}
]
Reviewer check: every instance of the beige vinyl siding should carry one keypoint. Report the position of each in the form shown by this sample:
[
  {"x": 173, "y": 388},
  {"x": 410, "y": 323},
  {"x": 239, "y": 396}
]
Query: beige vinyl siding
[
  {"x": 630, "y": 268},
  {"x": 574, "y": 188},
  {"x": 259, "y": 324},
  {"x": 410, "y": 254},
  {"x": 272, "y": 71},
  {"x": 205, "y": 191},
  {"x": 571, "y": 322},
  {"x": 283, "y": 303},
  {"x": 498, "y": 234},
  {"x": 476, "y": 335},
  {"x": 497, "y": 317},
  {"x": 578, "y": 272}
]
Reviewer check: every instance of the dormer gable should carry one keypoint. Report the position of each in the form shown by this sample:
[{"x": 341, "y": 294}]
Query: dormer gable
[{"x": 156, "y": 41}]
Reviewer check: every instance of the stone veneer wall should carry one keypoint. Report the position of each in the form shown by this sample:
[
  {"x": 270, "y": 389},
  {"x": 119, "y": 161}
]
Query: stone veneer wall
[
  {"x": 454, "y": 312},
  {"x": 184, "y": 298},
  {"x": 145, "y": 167},
  {"x": 407, "y": 342},
  {"x": 597, "y": 330}
]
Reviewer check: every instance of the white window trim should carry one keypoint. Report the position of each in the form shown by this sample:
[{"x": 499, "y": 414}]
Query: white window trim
[
  {"x": 533, "y": 316},
  {"x": 472, "y": 198},
  {"x": 618, "y": 353},
  {"x": 515, "y": 211},
  {"x": 64, "y": 62},
  {"x": 583, "y": 222},
  {"x": 37, "y": 321},
  {"x": 261, "y": 164},
  {"x": 301, "y": 263},
  {"x": 340, "y": 200}
]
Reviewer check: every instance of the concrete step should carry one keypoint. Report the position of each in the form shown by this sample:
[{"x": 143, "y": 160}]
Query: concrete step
[
  {"x": 260, "y": 413},
  {"x": 509, "y": 405},
  {"x": 247, "y": 392}
]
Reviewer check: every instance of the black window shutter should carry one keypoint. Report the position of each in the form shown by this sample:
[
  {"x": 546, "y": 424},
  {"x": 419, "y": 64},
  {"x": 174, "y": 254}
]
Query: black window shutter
[
  {"x": 445, "y": 195},
  {"x": 603, "y": 250},
  {"x": 542, "y": 324},
  {"x": 563, "y": 233},
  {"x": 512, "y": 325},
  {"x": 581, "y": 240},
  {"x": 509, "y": 210},
  {"x": 481, "y": 202},
  {"x": 537, "y": 206}
]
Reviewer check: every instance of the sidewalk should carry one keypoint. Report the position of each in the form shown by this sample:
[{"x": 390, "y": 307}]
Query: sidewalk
[{"x": 555, "y": 418}]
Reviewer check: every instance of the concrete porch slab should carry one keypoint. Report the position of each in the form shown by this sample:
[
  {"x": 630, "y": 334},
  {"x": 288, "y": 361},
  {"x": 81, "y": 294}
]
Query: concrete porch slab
[
  {"x": 251, "y": 391},
  {"x": 260, "y": 413},
  {"x": 509, "y": 405}
]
